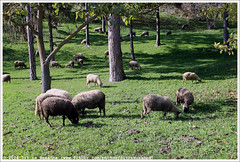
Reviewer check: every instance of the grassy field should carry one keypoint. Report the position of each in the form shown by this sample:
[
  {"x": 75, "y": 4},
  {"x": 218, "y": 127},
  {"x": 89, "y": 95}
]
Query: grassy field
[{"x": 208, "y": 131}]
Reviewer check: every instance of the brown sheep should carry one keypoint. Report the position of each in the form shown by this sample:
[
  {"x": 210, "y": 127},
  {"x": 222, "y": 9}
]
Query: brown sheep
[
  {"x": 90, "y": 99},
  {"x": 168, "y": 33},
  {"x": 20, "y": 64},
  {"x": 154, "y": 102},
  {"x": 80, "y": 62},
  {"x": 54, "y": 106},
  {"x": 6, "y": 78},
  {"x": 133, "y": 33},
  {"x": 185, "y": 98},
  {"x": 145, "y": 33},
  {"x": 99, "y": 29},
  {"x": 55, "y": 64},
  {"x": 190, "y": 76},
  {"x": 70, "y": 64},
  {"x": 79, "y": 56}
]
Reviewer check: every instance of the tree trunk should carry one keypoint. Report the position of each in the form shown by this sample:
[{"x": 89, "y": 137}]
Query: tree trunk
[
  {"x": 211, "y": 25},
  {"x": 131, "y": 41},
  {"x": 103, "y": 24},
  {"x": 45, "y": 72},
  {"x": 32, "y": 62},
  {"x": 225, "y": 25},
  {"x": 87, "y": 27},
  {"x": 50, "y": 33},
  {"x": 115, "y": 53},
  {"x": 157, "y": 29}
]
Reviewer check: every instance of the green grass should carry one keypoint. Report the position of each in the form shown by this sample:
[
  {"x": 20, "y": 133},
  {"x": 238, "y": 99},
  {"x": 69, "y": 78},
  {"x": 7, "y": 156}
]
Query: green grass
[{"x": 208, "y": 131}]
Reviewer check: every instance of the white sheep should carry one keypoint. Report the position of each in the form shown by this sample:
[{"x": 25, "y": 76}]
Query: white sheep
[
  {"x": 95, "y": 79},
  {"x": 90, "y": 99},
  {"x": 83, "y": 41},
  {"x": 41, "y": 98},
  {"x": 154, "y": 102},
  {"x": 6, "y": 78},
  {"x": 60, "y": 92},
  {"x": 134, "y": 64},
  {"x": 190, "y": 76},
  {"x": 185, "y": 98}
]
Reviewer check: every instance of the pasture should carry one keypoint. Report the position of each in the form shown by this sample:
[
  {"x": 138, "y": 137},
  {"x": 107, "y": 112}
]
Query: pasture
[{"x": 208, "y": 131}]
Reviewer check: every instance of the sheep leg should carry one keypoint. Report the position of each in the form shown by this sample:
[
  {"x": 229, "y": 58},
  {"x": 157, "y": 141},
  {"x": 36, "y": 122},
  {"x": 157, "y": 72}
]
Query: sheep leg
[
  {"x": 63, "y": 117},
  {"x": 99, "y": 111},
  {"x": 164, "y": 115},
  {"x": 83, "y": 112},
  {"x": 46, "y": 118},
  {"x": 149, "y": 115}
]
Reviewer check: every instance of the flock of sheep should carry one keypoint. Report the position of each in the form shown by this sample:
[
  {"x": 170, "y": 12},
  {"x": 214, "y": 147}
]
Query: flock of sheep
[{"x": 59, "y": 102}]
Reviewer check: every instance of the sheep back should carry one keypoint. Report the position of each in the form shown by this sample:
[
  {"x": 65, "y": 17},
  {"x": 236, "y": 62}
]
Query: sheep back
[
  {"x": 190, "y": 76},
  {"x": 134, "y": 64},
  {"x": 93, "y": 78},
  {"x": 60, "y": 92},
  {"x": 90, "y": 99},
  {"x": 54, "y": 106}
]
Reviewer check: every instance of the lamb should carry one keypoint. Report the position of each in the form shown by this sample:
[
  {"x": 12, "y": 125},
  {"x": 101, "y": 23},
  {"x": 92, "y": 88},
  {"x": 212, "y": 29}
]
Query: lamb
[
  {"x": 90, "y": 99},
  {"x": 99, "y": 29},
  {"x": 168, "y": 33},
  {"x": 106, "y": 53},
  {"x": 70, "y": 64},
  {"x": 134, "y": 64},
  {"x": 83, "y": 41},
  {"x": 156, "y": 102},
  {"x": 185, "y": 98},
  {"x": 41, "y": 98},
  {"x": 79, "y": 56},
  {"x": 60, "y": 92},
  {"x": 55, "y": 64},
  {"x": 54, "y": 106},
  {"x": 20, "y": 64},
  {"x": 145, "y": 33},
  {"x": 190, "y": 76},
  {"x": 133, "y": 33},
  {"x": 95, "y": 79},
  {"x": 80, "y": 62},
  {"x": 6, "y": 78}
]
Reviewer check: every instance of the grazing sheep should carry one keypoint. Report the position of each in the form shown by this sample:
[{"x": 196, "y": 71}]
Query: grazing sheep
[
  {"x": 83, "y": 29},
  {"x": 90, "y": 99},
  {"x": 20, "y": 64},
  {"x": 168, "y": 33},
  {"x": 79, "y": 56},
  {"x": 106, "y": 53},
  {"x": 145, "y": 33},
  {"x": 156, "y": 102},
  {"x": 55, "y": 64},
  {"x": 6, "y": 78},
  {"x": 190, "y": 76},
  {"x": 60, "y": 92},
  {"x": 84, "y": 41},
  {"x": 54, "y": 106},
  {"x": 41, "y": 98},
  {"x": 133, "y": 33},
  {"x": 185, "y": 98},
  {"x": 80, "y": 62},
  {"x": 37, "y": 53},
  {"x": 70, "y": 64},
  {"x": 134, "y": 64},
  {"x": 99, "y": 29},
  {"x": 95, "y": 79},
  {"x": 184, "y": 26}
]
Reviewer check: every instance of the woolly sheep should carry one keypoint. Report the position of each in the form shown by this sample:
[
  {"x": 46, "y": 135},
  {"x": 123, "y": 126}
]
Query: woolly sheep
[
  {"x": 80, "y": 62},
  {"x": 134, "y": 64},
  {"x": 6, "y": 78},
  {"x": 37, "y": 53},
  {"x": 154, "y": 102},
  {"x": 20, "y": 64},
  {"x": 106, "y": 53},
  {"x": 99, "y": 29},
  {"x": 70, "y": 64},
  {"x": 60, "y": 92},
  {"x": 133, "y": 33},
  {"x": 184, "y": 26},
  {"x": 145, "y": 33},
  {"x": 95, "y": 79},
  {"x": 83, "y": 41},
  {"x": 79, "y": 56},
  {"x": 55, "y": 64},
  {"x": 168, "y": 33},
  {"x": 41, "y": 98},
  {"x": 190, "y": 76},
  {"x": 185, "y": 98},
  {"x": 55, "y": 106},
  {"x": 90, "y": 99}
]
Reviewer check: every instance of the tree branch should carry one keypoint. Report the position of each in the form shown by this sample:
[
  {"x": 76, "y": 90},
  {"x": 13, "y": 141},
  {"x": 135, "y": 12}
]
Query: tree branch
[
  {"x": 67, "y": 39},
  {"x": 25, "y": 24}
]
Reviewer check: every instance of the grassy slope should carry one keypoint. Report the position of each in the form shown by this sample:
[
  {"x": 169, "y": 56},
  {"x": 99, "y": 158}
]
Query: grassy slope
[{"x": 212, "y": 119}]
